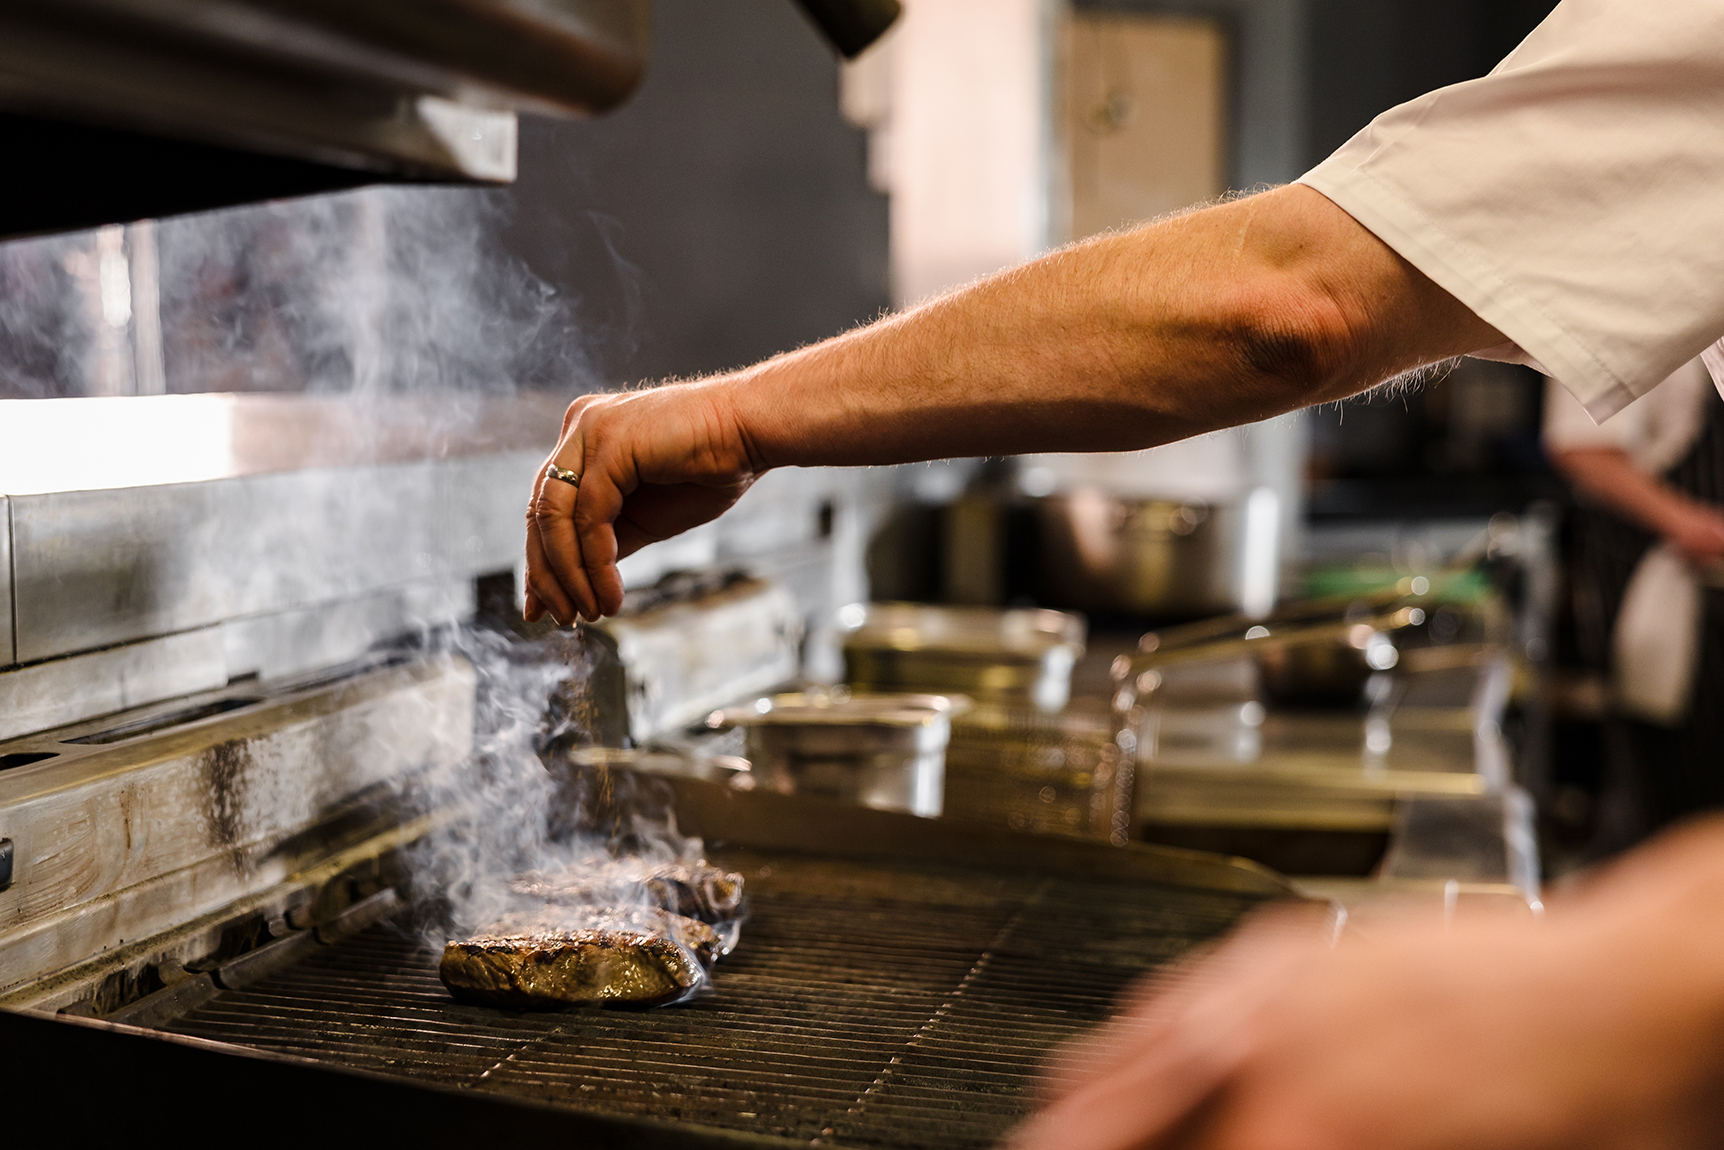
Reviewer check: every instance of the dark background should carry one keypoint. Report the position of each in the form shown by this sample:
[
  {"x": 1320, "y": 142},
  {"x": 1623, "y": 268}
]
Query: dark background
[
  {"x": 722, "y": 214},
  {"x": 1467, "y": 443}
]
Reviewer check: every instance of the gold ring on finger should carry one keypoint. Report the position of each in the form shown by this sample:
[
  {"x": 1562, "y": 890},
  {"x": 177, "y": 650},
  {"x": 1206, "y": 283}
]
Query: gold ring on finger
[{"x": 572, "y": 478}]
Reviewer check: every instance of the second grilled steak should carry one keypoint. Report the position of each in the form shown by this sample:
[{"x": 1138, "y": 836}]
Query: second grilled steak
[{"x": 691, "y": 889}]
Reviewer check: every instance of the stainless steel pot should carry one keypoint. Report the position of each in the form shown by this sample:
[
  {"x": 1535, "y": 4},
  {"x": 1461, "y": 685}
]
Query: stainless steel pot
[
  {"x": 1159, "y": 558},
  {"x": 884, "y": 751},
  {"x": 1325, "y": 672}
]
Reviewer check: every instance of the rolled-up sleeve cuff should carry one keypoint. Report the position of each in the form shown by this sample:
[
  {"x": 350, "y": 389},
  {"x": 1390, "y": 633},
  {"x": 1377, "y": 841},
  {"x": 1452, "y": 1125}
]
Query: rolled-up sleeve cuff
[{"x": 1461, "y": 271}]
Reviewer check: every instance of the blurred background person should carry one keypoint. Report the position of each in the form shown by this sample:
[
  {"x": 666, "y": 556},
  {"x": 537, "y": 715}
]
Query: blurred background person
[{"x": 1648, "y": 548}]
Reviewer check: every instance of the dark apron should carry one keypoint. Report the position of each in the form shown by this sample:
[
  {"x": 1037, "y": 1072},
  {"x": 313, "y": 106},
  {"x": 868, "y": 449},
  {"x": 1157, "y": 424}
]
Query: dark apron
[{"x": 1676, "y": 771}]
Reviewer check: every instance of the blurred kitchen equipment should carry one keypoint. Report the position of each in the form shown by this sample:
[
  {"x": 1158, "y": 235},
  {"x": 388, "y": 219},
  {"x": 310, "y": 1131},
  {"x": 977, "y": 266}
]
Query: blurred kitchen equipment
[
  {"x": 1101, "y": 552},
  {"x": 1312, "y": 791},
  {"x": 883, "y": 751},
  {"x": 1030, "y": 770},
  {"x": 1325, "y": 672},
  {"x": 1022, "y": 657},
  {"x": 698, "y": 640},
  {"x": 1275, "y": 646}
]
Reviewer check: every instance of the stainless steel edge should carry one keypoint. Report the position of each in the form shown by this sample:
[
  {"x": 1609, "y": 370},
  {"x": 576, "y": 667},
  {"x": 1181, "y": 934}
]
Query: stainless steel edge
[
  {"x": 328, "y": 634},
  {"x": 8, "y": 648},
  {"x": 766, "y": 820},
  {"x": 181, "y": 822},
  {"x": 62, "y": 691},
  {"x": 97, "y": 568}
]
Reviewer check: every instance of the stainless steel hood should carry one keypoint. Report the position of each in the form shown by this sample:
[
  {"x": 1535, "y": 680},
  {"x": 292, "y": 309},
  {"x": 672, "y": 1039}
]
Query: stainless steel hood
[
  {"x": 116, "y": 110},
  {"x": 124, "y": 108}
]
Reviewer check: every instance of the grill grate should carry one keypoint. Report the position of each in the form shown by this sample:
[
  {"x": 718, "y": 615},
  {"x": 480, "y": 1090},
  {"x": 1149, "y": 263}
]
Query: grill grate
[{"x": 867, "y": 1005}]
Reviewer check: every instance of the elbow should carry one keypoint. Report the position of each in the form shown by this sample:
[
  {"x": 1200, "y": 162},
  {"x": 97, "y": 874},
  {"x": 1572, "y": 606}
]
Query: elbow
[{"x": 1297, "y": 347}]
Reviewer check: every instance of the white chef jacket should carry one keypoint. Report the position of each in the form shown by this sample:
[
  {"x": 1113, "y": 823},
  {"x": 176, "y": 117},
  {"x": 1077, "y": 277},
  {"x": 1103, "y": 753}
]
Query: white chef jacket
[{"x": 1573, "y": 198}]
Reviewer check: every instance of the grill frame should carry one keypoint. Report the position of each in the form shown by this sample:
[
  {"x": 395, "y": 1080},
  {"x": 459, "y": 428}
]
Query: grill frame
[{"x": 995, "y": 881}]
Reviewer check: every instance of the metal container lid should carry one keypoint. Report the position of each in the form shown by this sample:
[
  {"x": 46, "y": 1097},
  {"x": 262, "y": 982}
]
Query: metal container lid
[
  {"x": 838, "y": 707},
  {"x": 662, "y": 761},
  {"x": 984, "y": 631}
]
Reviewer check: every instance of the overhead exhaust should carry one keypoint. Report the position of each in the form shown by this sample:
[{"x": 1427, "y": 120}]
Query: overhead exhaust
[{"x": 119, "y": 109}]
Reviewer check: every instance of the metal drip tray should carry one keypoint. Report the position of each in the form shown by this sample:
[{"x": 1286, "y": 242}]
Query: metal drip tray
[{"x": 867, "y": 1005}]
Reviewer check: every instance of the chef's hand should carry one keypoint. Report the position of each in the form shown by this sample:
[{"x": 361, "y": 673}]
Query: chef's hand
[
  {"x": 651, "y": 464},
  {"x": 1602, "y": 1027}
]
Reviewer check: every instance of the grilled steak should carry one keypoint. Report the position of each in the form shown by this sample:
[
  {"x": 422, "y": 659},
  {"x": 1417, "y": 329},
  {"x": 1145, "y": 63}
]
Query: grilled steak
[
  {"x": 694, "y": 890},
  {"x": 621, "y": 960},
  {"x": 620, "y": 931}
]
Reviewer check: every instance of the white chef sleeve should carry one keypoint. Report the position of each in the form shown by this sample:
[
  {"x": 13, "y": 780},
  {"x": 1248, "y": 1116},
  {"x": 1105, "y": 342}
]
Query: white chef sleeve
[{"x": 1573, "y": 198}]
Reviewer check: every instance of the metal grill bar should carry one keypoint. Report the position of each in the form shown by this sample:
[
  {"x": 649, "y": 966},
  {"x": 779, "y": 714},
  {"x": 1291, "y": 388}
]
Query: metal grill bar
[{"x": 867, "y": 1005}]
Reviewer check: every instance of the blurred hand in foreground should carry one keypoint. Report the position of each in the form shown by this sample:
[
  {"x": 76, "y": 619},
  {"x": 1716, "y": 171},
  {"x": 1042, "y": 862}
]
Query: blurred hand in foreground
[{"x": 1601, "y": 1027}]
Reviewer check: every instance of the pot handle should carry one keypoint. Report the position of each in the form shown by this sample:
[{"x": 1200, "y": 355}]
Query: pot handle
[{"x": 852, "y": 25}]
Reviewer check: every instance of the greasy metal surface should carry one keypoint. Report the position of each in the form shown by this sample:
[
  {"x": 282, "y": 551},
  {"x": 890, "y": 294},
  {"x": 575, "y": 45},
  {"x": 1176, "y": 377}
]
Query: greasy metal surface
[
  {"x": 763, "y": 820},
  {"x": 684, "y": 657},
  {"x": 137, "y": 1069},
  {"x": 868, "y": 1004},
  {"x": 124, "y": 830}
]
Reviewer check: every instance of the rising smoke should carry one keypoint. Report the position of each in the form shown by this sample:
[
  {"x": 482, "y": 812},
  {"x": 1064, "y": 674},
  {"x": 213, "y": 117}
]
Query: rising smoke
[
  {"x": 518, "y": 805},
  {"x": 369, "y": 296}
]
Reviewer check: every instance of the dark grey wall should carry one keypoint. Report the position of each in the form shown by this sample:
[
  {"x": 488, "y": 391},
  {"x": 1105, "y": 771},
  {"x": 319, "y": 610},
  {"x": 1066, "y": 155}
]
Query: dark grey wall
[
  {"x": 723, "y": 214},
  {"x": 1364, "y": 56}
]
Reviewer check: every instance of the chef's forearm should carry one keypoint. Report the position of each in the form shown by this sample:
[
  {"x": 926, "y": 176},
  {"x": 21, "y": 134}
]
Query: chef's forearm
[
  {"x": 1224, "y": 316},
  {"x": 1610, "y": 477}
]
